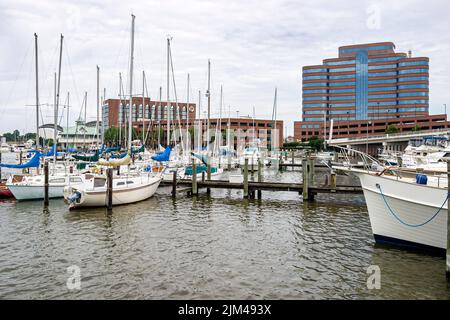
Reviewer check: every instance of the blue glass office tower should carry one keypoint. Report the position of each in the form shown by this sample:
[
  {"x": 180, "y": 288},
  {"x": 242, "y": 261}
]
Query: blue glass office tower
[{"x": 366, "y": 83}]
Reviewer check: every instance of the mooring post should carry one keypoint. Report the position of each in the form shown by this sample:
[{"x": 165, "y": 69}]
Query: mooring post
[
  {"x": 20, "y": 155},
  {"x": 246, "y": 178},
  {"x": 333, "y": 179},
  {"x": 46, "y": 183},
  {"x": 174, "y": 184},
  {"x": 292, "y": 155},
  {"x": 305, "y": 175},
  {"x": 203, "y": 176},
  {"x": 311, "y": 170},
  {"x": 208, "y": 171},
  {"x": 280, "y": 163},
  {"x": 194, "y": 178},
  {"x": 448, "y": 221},
  {"x": 229, "y": 161},
  {"x": 260, "y": 168},
  {"x": 109, "y": 193},
  {"x": 118, "y": 170}
]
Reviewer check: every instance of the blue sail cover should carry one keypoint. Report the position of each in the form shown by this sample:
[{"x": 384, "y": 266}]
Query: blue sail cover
[
  {"x": 163, "y": 156},
  {"x": 51, "y": 153},
  {"x": 33, "y": 163}
]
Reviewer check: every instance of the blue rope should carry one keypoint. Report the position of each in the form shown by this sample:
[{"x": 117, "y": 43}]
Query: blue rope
[{"x": 407, "y": 224}]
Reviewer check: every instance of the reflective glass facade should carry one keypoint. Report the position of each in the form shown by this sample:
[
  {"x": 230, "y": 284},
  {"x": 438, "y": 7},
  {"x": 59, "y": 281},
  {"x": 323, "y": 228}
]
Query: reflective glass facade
[{"x": 366, "y": 79}]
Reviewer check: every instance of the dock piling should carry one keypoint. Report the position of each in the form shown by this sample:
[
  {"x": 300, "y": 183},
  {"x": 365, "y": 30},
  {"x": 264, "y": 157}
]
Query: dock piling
[
  {"x": 305, "y": 178},
  {"x": 174, "y": 184},
  {"x": 333, "y": 179},
  {"x": 208, "y": 171},
  {"x": 109, "y": 192},
  {"x": 194, "y": 178},
  {"x": 260, "y": 168},
  {"x": 246, "y": 178},
  {"x": 46, "y": 183}
]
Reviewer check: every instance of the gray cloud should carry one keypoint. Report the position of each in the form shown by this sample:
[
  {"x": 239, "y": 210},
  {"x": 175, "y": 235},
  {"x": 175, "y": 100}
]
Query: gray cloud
[{"x": 254, "y": 46}]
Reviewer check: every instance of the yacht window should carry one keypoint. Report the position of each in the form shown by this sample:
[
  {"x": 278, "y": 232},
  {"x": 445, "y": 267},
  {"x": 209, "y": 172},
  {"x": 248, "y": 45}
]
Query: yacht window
[
  {"x": 61, "y": 180},
  {"x": 120, "y": 183},
  {"x": 75, "y": 179},
  {"x": 130, "y": 182},
  {"x": 99, "y": 182}
]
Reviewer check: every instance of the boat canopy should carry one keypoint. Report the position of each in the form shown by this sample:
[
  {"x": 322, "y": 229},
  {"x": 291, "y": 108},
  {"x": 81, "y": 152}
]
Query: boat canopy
[
  {"x": 33, "y": 163},
  {"x": 163, "y": 156}
]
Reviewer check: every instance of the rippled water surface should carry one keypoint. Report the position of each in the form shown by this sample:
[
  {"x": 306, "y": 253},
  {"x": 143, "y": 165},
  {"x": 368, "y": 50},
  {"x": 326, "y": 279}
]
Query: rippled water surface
[{"x": 215, "y": 247}]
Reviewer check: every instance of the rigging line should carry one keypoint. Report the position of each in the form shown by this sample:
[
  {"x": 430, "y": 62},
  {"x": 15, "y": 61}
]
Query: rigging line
[
  {"x": 17, "y": 77},
  {"x": 71, "y": 71},
  {"x": 48, "y": 69},
  {"x": 176, "y": 100}
]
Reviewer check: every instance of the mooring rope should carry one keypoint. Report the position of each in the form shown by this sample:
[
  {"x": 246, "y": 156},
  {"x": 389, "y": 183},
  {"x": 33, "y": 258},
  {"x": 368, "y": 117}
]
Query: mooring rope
[{"x": 403, "y": 222}]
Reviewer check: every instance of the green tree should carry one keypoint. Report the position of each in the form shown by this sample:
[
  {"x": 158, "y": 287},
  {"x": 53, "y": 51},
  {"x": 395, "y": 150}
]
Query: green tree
[
  {"x": 392, "y": 129},
  {"x": 316, "y": 143},
  {"x": 416, "y": 128},
  {"x": 111, "y": 135}
]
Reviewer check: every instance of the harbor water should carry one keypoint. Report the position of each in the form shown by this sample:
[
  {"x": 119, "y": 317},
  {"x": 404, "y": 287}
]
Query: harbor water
[{"x": 216, "y": 247}]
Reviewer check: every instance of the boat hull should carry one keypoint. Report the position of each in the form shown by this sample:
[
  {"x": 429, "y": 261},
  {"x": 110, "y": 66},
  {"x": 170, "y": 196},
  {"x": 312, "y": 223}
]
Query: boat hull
[
  {"x": 405, "y": 213},
  {"x": 98, "y": 198},
  {"x": 26, "y": 192}
]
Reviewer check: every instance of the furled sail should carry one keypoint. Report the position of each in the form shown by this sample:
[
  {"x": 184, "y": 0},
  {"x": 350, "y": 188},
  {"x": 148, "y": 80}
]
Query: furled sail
[{"x": 115, "y": 162}]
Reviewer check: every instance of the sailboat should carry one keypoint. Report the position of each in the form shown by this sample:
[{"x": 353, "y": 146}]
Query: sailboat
[{"x": 128, "y": 187}]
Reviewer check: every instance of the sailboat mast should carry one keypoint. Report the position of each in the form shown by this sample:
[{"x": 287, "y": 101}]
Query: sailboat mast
[
  {"x": 188, "y": 137},
  {"x": 143, "y": 108},
  {"x": 168, "y": 92},
  {"x": 85, "y": 119},
  {"x": 120, "y": 110},
  {"x": 98, "y": 106},
  {"x": 160, "y": 111},
  {"x": 131, "y": 85},
  {"x": 274, "y": 119},
  {"x": 209, "y": 106},
  {"x": 55, "y": 136},
  {"x": 67, "y": 123},
  {"x": 37, "y": 88}
]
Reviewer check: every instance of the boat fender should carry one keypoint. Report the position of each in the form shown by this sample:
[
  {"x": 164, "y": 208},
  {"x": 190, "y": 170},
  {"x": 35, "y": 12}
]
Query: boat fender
[{"x": 421, "y": 179}]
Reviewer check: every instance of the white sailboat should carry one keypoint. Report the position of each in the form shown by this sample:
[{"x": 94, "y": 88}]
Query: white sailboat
[{"x": 128, "y": 187}]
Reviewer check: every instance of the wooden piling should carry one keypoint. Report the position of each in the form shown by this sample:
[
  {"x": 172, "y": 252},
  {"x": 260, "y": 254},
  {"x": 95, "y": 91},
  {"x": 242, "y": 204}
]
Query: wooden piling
[
  {"x": 312, "y": 168},
  {"x": 292, "y": 156},
  {"x": 448, "y": 221},
  {"x": 208, "y": 172},
  {"x": 20, "y": 157},
  {"x": 246, "y": 178},
  {"x": 46, "y": 183},
  {"x": 280, "y": 163},
  {"x": 194, "y": 178},
  {"x": 333, "y": 180},
  {"x": 305, "y": 175},
  {"x": 109, "y": 191},
  {"x": 229, "y": 161},
  {"x": 174, "y": 184},
  {"x": 260, "y": 168}
]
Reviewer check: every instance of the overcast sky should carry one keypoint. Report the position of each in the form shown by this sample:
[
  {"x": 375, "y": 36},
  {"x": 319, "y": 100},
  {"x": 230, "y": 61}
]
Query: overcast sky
[{"x": 254, "y": 46}]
